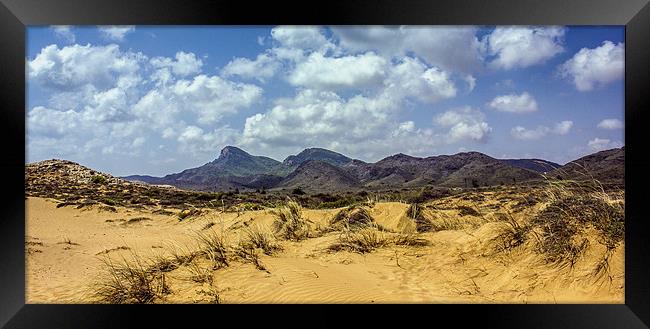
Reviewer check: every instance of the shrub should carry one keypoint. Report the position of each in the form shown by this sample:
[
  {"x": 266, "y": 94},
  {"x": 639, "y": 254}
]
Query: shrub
[
  {"x": 188, "y": 213},
  {"x": 99, "y": 179},
  {"x": 298, "y": 191},
  {"x": 564, "y": 219},
  {"x": 465, "y": 211}
]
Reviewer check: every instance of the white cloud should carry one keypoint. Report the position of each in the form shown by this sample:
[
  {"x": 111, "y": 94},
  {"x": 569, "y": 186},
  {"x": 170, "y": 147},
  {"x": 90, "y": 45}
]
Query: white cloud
[
  {"x": 589, "y": 68},
  {"x": 514, "y": 103},
  {"x": 185, "y": 64},
  {"x": 72, "y": 67},
  {"x": 611, "y": 124},
  {"x": 560, "y": 128},
  {"x": 99, "y": 104},
  {"x": 451, "y": 48},
  {"x": 464, "y": 124},
  {"x": 191, "y": 133},
  {"x": 600, "y": 144},
  {"x": 302, "y": 37},
  {"x": 357, "y": 126},
  {"x": 471, "y": 82},
  {"x": 313, "y": 116},
  {"x": 64, "y": 32},
  {"x": 333, "y": 73},
  {"x": 196, "y": 141},
  {"x": 212, "y": 96},
  {"x": 51, "y": 123},
  {"x": 412, "y": 78},
  {"x": 522, "y": 133},
  {"x": 262, "y": 68},
  {"x": 116, "y": 33},
  {"x": 520, "y": 47}
]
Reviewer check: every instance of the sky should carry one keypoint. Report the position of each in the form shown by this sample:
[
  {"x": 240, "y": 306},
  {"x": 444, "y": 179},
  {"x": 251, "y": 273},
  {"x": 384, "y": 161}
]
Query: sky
[{"x": 157, "y": 100}]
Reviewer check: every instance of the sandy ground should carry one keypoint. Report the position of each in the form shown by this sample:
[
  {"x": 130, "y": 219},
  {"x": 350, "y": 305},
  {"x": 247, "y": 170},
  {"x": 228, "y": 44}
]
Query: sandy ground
[{"x": 64, "y": 247}]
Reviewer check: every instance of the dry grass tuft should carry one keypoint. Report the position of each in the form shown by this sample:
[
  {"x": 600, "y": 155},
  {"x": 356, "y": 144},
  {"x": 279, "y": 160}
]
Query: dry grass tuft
[
  {"x": 352, "y": 217},
  {"x": 410, "y": 240},
  {"x": 200, "y": 274},
  {"x": 360, "y": 241},
  {"x": 130, "y": 282},
  {"x": 67, "y": 241},
  {"x": 561, "y": 224},
  {"x": 248, "y": 253},
  {"x": 260, "y": 238},
  {"x": 511, "y": 235},
  {"x": 106, "y": 251},
  {"x": 468, "y": 211},
  {"x": 289, "y": 223},
  {"x": 422, "y": 220},
  {"x": 215, "y": 247}
]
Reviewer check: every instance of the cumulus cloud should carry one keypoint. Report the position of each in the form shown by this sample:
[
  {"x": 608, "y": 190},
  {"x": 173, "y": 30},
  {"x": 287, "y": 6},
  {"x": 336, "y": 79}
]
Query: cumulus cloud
[
  {"x": 313, "y": 116},
  {"x": 71, "y": 67},
  {"x": 471, "y": 82},
  {"x": 514, "y": 103},
  {"x": 302, "y": 37},
  {"x": 589, "y": 68},
  {"x": 520, "y": 47},
  {"x": 64, "y": 32},
  {"x": 611, "y": 124},
  {"x": 185, "y": 64},
  {"x": 522, "y": 133},
  {"x": 412, "y": 78},
  {"x": 333, "y": 73},
  {"x": 99, "y": 102},
  {"x": 464, "y": 124},
  {"x": 600, "y": 144},
  {"x": 116, "y": 33},
  {"x": 451, "y": 48},
  {"x": 210, "y": 97},
  {"x": 262, "y": 68},
  {"x": 51, "y": 123},
  {"x": 560, "y": 128}
]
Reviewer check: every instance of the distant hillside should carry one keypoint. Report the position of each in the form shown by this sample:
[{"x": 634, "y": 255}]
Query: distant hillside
[
  {"x": 319, "y": 176},
  {"x": 537, "y": 165},
  {"x": 607, "y": 166},
  {"x": 316, "y": 154},
  {"x": 233, "y": 169},
  {"x": 320, "y": 170}
]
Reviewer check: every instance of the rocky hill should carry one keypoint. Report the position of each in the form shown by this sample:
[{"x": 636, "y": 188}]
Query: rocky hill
[
  {"x": 538, "y": 165},
  {"x": 319, "y": 176},
  {"x": 316, "y": 154},
  {"x": 321, "y": 170},
  {"x": 605, "y": 166}
]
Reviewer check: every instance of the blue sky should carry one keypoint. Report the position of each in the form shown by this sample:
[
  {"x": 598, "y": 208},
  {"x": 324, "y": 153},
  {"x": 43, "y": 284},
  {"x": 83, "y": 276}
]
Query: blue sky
[{"x": 156, "y": 100}]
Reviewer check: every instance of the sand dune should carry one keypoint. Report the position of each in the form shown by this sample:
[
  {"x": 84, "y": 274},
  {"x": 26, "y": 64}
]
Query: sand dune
[{"x": 65, "y": 245}]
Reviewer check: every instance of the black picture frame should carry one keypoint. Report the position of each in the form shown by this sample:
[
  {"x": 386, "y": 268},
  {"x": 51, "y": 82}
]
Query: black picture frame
[{"x": 15, "y": 15}]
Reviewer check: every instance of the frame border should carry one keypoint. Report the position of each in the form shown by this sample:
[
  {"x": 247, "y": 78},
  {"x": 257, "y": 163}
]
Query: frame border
[{"x": 15, "y": 15}]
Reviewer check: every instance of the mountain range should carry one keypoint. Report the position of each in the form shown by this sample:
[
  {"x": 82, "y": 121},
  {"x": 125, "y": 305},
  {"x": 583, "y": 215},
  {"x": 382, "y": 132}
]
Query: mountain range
[{"x": 319, "y": 170}]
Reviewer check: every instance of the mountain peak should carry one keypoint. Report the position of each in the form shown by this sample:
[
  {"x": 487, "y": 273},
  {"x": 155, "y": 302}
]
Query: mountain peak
[
  {"x": 229, "y": 151},
  {"x": 316, "y": 153}
]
